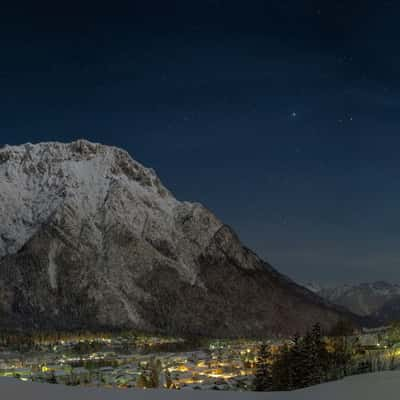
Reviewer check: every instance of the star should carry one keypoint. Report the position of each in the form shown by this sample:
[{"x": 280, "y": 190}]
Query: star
[{"x": 293, "y": 114}]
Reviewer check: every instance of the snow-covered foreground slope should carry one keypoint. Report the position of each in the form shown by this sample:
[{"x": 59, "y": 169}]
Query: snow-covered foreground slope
[{"x": 384, "y": 385}]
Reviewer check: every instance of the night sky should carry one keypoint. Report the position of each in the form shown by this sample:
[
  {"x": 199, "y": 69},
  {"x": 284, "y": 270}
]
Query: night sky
[{"x": 280, "y": 116}]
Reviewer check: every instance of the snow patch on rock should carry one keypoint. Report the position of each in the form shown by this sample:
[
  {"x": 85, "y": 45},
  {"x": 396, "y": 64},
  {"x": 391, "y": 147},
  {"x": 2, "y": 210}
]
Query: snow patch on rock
[{"x": 52, "y": 267}]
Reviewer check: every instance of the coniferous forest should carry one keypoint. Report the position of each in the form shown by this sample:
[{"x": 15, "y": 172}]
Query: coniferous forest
[{"x": 304, "y": 361}]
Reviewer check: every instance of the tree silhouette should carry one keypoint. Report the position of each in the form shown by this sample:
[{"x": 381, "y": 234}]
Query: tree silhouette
[{"x": 263, "y": 378}]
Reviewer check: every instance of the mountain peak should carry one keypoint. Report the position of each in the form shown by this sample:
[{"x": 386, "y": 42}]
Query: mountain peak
[
  {"x": 33, "y": 158},
  {"x": 38, "y": 180}
]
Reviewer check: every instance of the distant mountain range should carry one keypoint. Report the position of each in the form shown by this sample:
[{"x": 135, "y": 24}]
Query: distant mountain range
[
  {"x": 90, "y": 238},
  {"x": 380, "y": 300}
]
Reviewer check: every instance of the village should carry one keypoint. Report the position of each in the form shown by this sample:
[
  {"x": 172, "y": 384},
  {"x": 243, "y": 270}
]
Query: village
[
  {"x": 219, "y": 365},
  {"x": 222, "y": 365}
]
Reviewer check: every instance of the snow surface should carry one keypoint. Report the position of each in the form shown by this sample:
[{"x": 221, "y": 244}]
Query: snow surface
[{"x": 382, "y": 385}]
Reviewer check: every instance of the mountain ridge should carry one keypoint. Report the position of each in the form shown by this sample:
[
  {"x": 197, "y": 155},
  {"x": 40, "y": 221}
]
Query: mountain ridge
[
  {"x": 364, "y": 299},
  {"x": 89, "y": 237}
]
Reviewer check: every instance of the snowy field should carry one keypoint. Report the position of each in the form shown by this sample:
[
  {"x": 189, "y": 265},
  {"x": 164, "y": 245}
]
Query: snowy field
[{"x": 382, "y": 386}]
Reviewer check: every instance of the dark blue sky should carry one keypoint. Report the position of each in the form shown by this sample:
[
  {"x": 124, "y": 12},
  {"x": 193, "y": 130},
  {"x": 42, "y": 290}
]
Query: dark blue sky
[{"x": 282, "y": 117}]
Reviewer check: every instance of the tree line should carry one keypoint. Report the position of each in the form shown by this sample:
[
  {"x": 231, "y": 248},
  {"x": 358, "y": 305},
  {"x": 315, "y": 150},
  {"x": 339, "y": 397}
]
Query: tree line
[{"x": 303, "y": 362}]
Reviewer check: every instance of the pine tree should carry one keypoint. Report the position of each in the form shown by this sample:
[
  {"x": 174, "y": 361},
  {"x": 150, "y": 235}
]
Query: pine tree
[
  {"x": 263, "y": 378},
  {"x": 281, "y": 370},
  {"x": 155, "y": 370},
  {"x": 308, "y": 361},
  {"x": 321, "y": 356},
  {"x": 297, "y": 370}
]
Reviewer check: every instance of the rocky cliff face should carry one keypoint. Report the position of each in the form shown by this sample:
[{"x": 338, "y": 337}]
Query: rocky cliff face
[{"x": 91, "y": 238}]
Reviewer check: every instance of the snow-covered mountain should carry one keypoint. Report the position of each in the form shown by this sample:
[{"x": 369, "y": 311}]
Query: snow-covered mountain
[
  {"x": 91, "y": 238},
  {"x": 362, "y": 299},
  {"x": 313, "y": 287}
]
